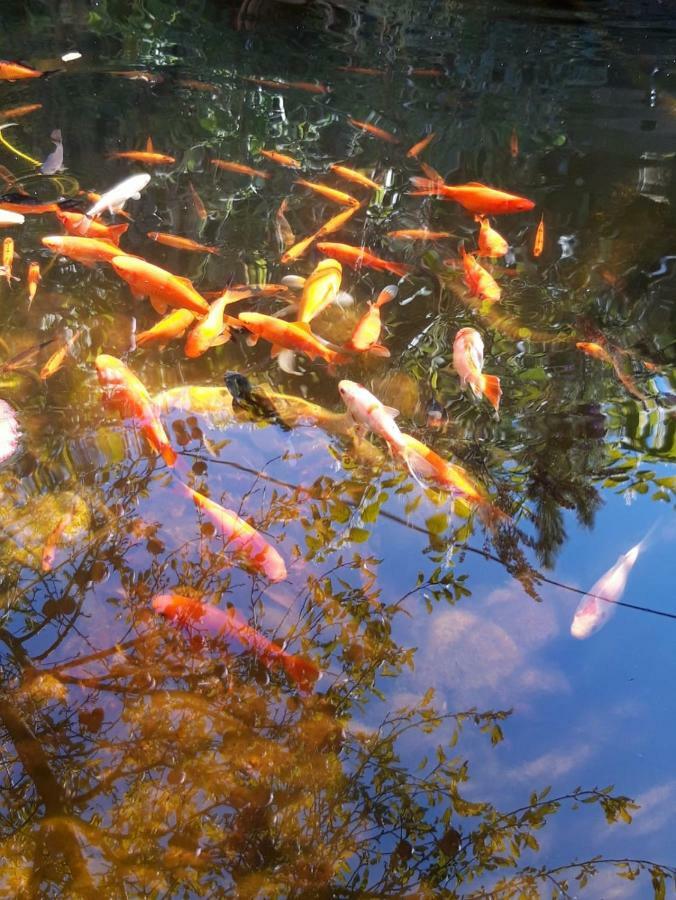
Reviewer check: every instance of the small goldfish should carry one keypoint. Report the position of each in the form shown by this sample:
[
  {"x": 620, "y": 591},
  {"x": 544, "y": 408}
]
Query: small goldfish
[
  {"x": 367, "y": 331},
  {"x": 180, "y": 243},
  {"x": 514, "y": 144},
  {"x": 335, "y": 223},
  {"x": 13, "y": 71},
  {"x": 491, "y": 243},
  {"x": 281, "y": 159},
  {"x": 165, "y": 289},
  {"x": 330, "y": 193},
  {"x": 34, "y": 278},
  {"x": 474, "y": 196},
  {"x": 480, "y": 282},
  {"x": 211, "y": 331},
  {"x": 57, "y": 359},
  {"x": 126, "y": 393},
  {"x": 25, "y": 205},
  {"x": 320, "y": 289},
  {"x": 8, "y": 258},
  {"x": 285, "y": 235},
  {"x": 595, "y": 350},
  {"x": 358, "y": 257},
  {"x": 308, "y": 86},
  {"x": 468, "y": 361},
  {"x": 370, "y": 414},
  {"x": 539, "y": 242},
  {"x": 17, "y": 111},
  {"x": 72, "y": 222},
  {"x": 375, "y": 131},
  {"x": 419, "y": 234},
  {"x": 238, "y": 168},
  {"x": 425, "y": 463},
  {"x": 418, "y": 148},
  {"x": 296, "y": 336},
  {"x": 114, "y": 200},
  {"x": 167, "y": 329},
  {"x": 197, "y": 203},
  {"x": 198, "y": 617},
  {"x": 297, "y": 250},
  {"x": 87, "y": 251},
  {"x": 241, "y": 537},
  {"x": 144, "y": 156},
  {"x": 362, "y": 70},
  {"x": 354, "y": 176}
]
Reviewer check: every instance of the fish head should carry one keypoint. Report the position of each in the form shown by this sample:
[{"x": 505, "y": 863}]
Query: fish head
[
  {"x": 589, "y": 617},
  {"x": 53, "y": 242},
  {"x": 522, "y": 204}
]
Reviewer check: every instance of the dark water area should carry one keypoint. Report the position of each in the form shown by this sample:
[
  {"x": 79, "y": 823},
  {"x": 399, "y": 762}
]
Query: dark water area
[{"x": 469, "y": 734}]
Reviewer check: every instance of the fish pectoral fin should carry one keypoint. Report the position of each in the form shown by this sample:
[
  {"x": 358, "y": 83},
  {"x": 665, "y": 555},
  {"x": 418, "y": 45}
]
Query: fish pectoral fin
[
  {"x": 158, "y": 305},
  {"x": 379, "y": 350},
  {"x": 391, "y": 411},
  {"x": 275, "y": 350},
  {"x": 286, "y": 360},
  {"x": 135, "y": 196},
  {"x": 222, "y": 338},
  {"x": 251, "y": 340}
]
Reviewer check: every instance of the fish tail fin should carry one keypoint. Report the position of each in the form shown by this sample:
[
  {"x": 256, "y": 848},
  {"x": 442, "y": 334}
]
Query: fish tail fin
[
  {"x": 490, "y": 387},
  {"x": 492, "y": 517},
  {"x": 386, "y": 295},
  {"x": 169, "y": 455},
  {"x": 302, "y": 671},
  {"x": 116, "y": 232}
]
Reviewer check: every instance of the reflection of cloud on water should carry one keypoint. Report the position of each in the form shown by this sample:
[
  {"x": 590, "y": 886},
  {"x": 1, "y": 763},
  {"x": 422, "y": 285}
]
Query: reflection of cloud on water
[
  {"x": 658, "y": 808},
  {"x": 552, "y": 765}
]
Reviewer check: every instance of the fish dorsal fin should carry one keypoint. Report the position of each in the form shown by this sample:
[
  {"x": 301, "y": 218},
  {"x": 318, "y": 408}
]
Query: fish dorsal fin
[
  {"x": 391, "y": 411},
  {"x": 149, "y": 145},
  {"x": 186, "y": 281},
  {"x": 475, "y": 184}
]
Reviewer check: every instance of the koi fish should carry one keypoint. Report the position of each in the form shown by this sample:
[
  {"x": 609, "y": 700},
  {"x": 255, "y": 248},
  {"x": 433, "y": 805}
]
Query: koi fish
[
  {"x": 514, "y": 144},
  {"x": 539, "y": 242},
  {"x": 335, "y": 223},
  {"x": 163, "y": 288},
  {"x": 171, "y": 326},
  {"x": 468, "y": 361},
  {"x": 362, "y": 70},
  {"x": 128, "y": 395},
  {"x": 491, "y": 243},
  {"x": 57, "y": 359},
  {"x": 426, "y": 73},
  {"x": 54, "y": 539},
  {"x": 375, "y": 131},
  {"x": 308, "y": 86},
  {"x": 281, "y": 159},
  {"x": 195, "y": 616},
  {"x": 8, "y": 258},
  {"x": 418, "y": 148},
  {"x": 419, "y": 234},
  {"x": 613, "y": 359},
  {"x": 87, "y": 251},
  {"x": 25, "y": 205},
  {"x": 17, "y": 111},
  {"x": 143, "y": 156},
  {"x": 595, "y": 350},
  {"x": 211, "y": 331},
  {"x": 10, "y": 218},
  {"x": 285, "y": 235},
  {"x": 72, "y": 222},
  {"x": 180, "y": 243},
  {"x": 367, "y": 331},
  {"x": 239, "y": 168},
  {"x": 370, "y": 414},
  {"x": 114, "y": 200},
  {"x": 356, "y": 257},
  {"x": 354, "y": 176},
  {"x": 13, "y": 71},
  {"x": 34, "y": 278},
  {"x": 480, "y": 282},
  {"x": 424, "y": 462},
  {"x": 330, "y": 193},
  {"x": 241, "y": 537},
  {"x": 320, "y": 289},
  {"x": 476, "y": 197},
  {"x": 297, "y": 250},
  {"x": 199, "y": 206},
  {"x": 296, "y": 336},
  {"x": 197, "y": 399},
  {"x": 593, "y": 612},
  {"x": 54, "y": 162}
]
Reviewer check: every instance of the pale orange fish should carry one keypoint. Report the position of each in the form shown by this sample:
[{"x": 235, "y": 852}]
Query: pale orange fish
[
  {"x": 180, "y": 243},
  {"x": 8, "y": 258},
  {"x": 375, "y": 131},
  {"x": 13, "y": 71},
  {"x": 296, "y": 336},
  {"x": 480, "y": 282},
  {"x": 476, "y": 197},
  {"x": 539, "y": 242},
  {"x": 426, "y": 73},
  {"x": 297, "y": 250},
  {"x": 308, "y": 86},
  {"x": 26, "y": 205},
  {"x": 199, "y": 206},
  {"x": 320, "y": 289},
  {"x": 595, "y": 350},
  {"x": 203, "y": 618},
  {"x": 362, "y": 70},
  {"x": 491, "y": 243},
  {"x": 285, "y": 234},
  {"x": 239, "y": 168},
  {"x": 128, "y": 395},
  {"x": 354, "y": 176},
  {"x": 87, "y": 251},
  {"x": 211, "y": 331},
  {"x": 17, "y": 111},
  {"x": 34, "y": 279},
  {"x": 281, "y": 159},
  {"x": 419, "y": 234},
  {"x": 72, "y": 222},
  {"x": 335, "y": 223},
  {"x": 53, "y": 540},
  {"x": 165, "y": 289},
  {"x": 423, "y": 144},
  {"x": 172, "y": 326},
  {"x": 468, "y": 362},
  {"x": 366, "y": 334},
  {"x": 140, "y": 75},
  {"x": 143, "y": 156},
  {"x": 329, "y": 193},
  {"x": 359, "y": 256},
  {"x": 57, "y": 359}
]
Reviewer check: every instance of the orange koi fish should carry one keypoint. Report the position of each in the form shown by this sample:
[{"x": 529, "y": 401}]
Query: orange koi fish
[
  {"x": 34, "y": 279},
  {"x": 595, "y": 350},
  {"x": 474, "y": 196},
  {"x": 429, "y": 465},
  {"x": 297, "y": 250},
  {"x": 354, "y": 176},
  {"x": 7, "y": 258},
  {"x": 211, "y": 331},
  {"x": 308, "y": 86},
  {"x": 72, "y": 222},
  {"x": 426, "y": 73},
  {"x": 367, "y": 331},
  {"x": 281, "y": 159},
  {"x": 200, "y": 208},
  {"x": 468, "y": 361},
  {"x": 171, "y": 326},
  {"x": 53, "y": 540},
  {"x": 180, "y": 243},
  {"x": 419, "y": 234},
  {"x": 13, "y": 71},
  {"x": 539, "y": 242},
  {"x": 143, "y": 156},
  {"x": 87, "y": 251},
  {"x": 418, "y": 148},
  {"x": 17, "y": 111},
  {"x": 26, "y": 206},
  {"x": 128, "y": 395},
  {"x": 612, "y": 358},
  {"x": 285, "y": 235},
  {"x": 57, "y": 359},
  {"x": 296, "y": 336},
  {"x": 241, "y": 537},
  {"x": 362, "y": 70},
  {"x": 197, "y": 617},
  {"x": 369, "y": 414},
  {"x": 163, "y": 288},
  {"x": 329, "y": 193},
  {"x": 239, "y": 168},
  {"x": 375, "y": 131},
  {"x": 491, "y": 242},
  {"x": 358, "y": 257},
  {"x": 320, "y": 289},
  {"x": 480, "y": 282},
  {"x": 514, "y": 144},
  {"x": 335, "y": 223}
]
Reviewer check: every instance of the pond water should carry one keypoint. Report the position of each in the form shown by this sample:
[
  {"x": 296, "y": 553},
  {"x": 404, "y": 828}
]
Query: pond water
[{"x": 460, "y": 740}]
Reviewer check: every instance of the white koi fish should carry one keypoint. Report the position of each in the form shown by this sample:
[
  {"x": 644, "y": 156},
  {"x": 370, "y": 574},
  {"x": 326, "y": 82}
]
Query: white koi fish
[
  {"x": 370, "y": 414},
  {"x": 114, "y": 199}
]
